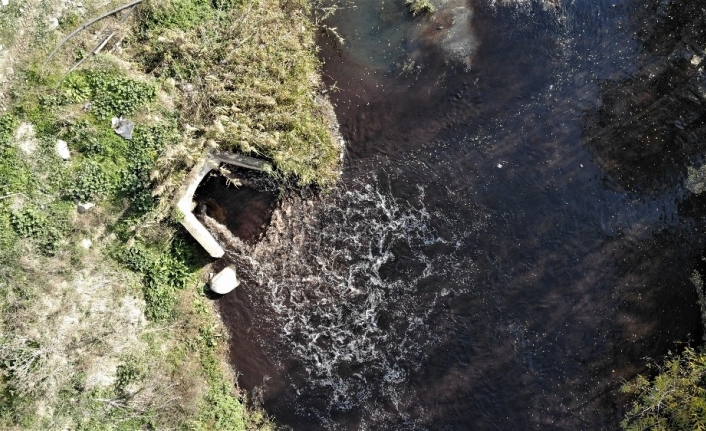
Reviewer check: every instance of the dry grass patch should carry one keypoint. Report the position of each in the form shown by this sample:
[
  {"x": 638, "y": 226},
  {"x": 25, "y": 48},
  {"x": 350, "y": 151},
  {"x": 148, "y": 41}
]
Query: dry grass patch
[{"x": 249, "y": 78}]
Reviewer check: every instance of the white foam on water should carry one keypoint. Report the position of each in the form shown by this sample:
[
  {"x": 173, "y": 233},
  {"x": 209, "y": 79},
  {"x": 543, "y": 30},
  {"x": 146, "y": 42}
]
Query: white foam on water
[{"x": 325, "y": 281}]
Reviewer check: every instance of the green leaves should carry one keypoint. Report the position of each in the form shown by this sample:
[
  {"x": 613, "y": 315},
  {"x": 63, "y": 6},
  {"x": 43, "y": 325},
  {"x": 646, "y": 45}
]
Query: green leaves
[
  {"x": 674, "y": 400},
  {"x": 130, "y": 372},
  {"x": 177, "y": 14},
  {"x": 47, "y": 226},
  {"x": 418, "y": 7},
  {"x": 93, "y": 182},
  {"x": 163, "y": 274},
  {"x": 110, "y": 94}
]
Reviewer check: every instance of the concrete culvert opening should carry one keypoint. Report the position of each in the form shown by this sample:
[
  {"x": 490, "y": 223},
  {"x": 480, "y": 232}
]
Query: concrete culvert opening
[
  {"x": 242, "y": 200},
  {"x": 225, "y": 207}
]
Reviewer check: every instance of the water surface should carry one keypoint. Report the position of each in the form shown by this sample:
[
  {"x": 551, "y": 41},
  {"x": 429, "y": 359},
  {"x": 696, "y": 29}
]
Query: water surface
[{"x": 500, "y": 253}]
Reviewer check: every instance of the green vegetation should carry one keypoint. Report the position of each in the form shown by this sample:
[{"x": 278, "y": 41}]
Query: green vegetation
[
  {"x": 675, "y": 399},
  {"x": 249, "y": 78},
  {"x": 64, "y": 363},
  {"x": 104, "y": 322},
  {"x": 419, "y": 7},
  {"x": 163, "y": 275},
  {"x": 109, "y": 92}
]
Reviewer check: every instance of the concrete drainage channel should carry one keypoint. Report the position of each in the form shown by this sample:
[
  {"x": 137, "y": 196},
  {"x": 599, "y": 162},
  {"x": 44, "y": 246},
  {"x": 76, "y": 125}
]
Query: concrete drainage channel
[{"x": 226, "y": 280}]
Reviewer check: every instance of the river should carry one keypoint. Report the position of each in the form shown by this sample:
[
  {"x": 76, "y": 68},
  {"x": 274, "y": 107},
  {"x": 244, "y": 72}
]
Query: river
[{"x": 512, "y": 236}]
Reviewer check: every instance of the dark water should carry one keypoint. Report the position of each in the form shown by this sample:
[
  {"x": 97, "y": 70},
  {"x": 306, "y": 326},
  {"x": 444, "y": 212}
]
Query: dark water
[{"x": 512, "y": 236}]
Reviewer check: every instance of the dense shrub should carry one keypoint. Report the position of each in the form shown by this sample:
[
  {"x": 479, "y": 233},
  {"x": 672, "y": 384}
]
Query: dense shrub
[
  {"x": 46, "y": 226},
  {"x": 675, "y": 399}
]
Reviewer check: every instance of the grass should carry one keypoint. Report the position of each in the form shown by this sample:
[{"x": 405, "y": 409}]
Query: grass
[
  {"x": 118, "y": 336},
  {"x": 104, "y": 323},
  {"x": 248, "y": 77}
]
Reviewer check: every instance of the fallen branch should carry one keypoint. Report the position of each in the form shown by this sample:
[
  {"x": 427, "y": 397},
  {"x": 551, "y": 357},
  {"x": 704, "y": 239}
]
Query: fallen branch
[
  {"x": 97, "y": 48},
  {"x": 88, "y": 24},
  {"x": 10, "y": 195}
]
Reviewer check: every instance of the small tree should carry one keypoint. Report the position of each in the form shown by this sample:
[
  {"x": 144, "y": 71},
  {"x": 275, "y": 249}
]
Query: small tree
[{"x": 674, "y": 400}]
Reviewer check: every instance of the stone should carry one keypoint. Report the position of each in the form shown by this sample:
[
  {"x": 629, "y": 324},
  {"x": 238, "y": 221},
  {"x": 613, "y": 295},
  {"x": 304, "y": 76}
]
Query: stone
[
  {"x": 62, "y": 149},
  {"x": 52, "y": 23},
  {"x": 225, "y": 281},
  {"x": 83, "y": 207},
  {"x": 5, "y": 2},
  {"x": 86, "y": 243},
  {"x": 26, "y": 138},
  {"x": 123, "y": 127}
]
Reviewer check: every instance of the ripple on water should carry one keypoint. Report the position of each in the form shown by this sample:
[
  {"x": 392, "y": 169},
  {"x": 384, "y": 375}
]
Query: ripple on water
[{"x": 482, "y": 265}]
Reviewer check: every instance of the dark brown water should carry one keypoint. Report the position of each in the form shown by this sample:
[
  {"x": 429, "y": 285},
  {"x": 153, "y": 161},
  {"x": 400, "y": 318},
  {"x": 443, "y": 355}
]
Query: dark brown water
[{"x": 512, "y": 236}]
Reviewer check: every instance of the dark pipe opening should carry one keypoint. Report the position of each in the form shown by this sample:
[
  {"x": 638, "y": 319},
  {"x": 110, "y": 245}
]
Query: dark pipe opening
[{"x": 241, "y": 200}]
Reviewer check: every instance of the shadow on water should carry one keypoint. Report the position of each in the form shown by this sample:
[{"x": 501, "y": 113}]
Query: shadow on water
[{"x": 502, "y": 252}]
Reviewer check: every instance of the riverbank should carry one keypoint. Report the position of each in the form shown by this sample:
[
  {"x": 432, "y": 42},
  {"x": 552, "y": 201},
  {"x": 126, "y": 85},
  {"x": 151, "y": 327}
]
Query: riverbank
[{"x": 105, "y": 319}]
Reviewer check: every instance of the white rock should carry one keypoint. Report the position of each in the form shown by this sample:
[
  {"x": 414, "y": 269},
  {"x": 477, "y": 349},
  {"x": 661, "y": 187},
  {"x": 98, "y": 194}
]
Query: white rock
[
  {"x": 26, "y": 138},
  {"x": 695, "y": 60},
  {"x": 62, "y": 149},
  {"x": 52, "y": 23},
  {"x": 83, "y": 207},
  {"x": 123, "y": 127},
  {"x": 5, "y": 2},
  {"x": 86, "y": 243},
  {"x": 225, "y": 281}
]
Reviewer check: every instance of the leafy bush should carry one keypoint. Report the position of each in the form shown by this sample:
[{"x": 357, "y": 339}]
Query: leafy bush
[
  {"x": 130, "y": 372},
  {"x": 8, "y": 237},
  {"x": 675, "y": 399},
  {"x": 147, "y": 144},
  {"x": 46, "y": 226},
  {"x": 93, "y": 182},
  {"x": 8, "y": 124},
  {"x": 162, "y": 273},
  {"x": 77, "y": 88},
  {"x": 116, "y": 168},
  {"x": 14, "y": 173},
  {"x": 176, "y": 14},
  {"x": 110, "y": 93}
]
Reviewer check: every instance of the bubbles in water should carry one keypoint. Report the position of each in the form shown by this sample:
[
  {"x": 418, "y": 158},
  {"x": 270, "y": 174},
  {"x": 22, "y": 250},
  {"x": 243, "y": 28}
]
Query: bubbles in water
[{"x": 329, "y": 283}]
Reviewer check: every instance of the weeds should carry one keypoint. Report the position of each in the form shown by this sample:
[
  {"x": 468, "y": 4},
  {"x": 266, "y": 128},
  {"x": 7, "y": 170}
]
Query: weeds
[
  {"x": 162, "y": 276},
  {"x": 76, "y": 351},
  {"x": 249, "y": 80},
  {"x": 110, "y": 94},
  {"x": 47, "y": 226},
  {"x": 161, "y": 15}
]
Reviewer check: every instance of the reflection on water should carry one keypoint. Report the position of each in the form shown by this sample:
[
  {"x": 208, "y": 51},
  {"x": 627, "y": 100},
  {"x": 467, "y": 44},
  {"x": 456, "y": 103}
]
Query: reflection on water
[{"x": 484, "y": 264}]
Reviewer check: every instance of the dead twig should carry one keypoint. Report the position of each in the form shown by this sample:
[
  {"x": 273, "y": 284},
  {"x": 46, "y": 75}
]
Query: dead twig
[
  {"x": 86, "y": 25},
  {"x": 98, "y": 47},
  {"x": 10, "y": 195}
]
